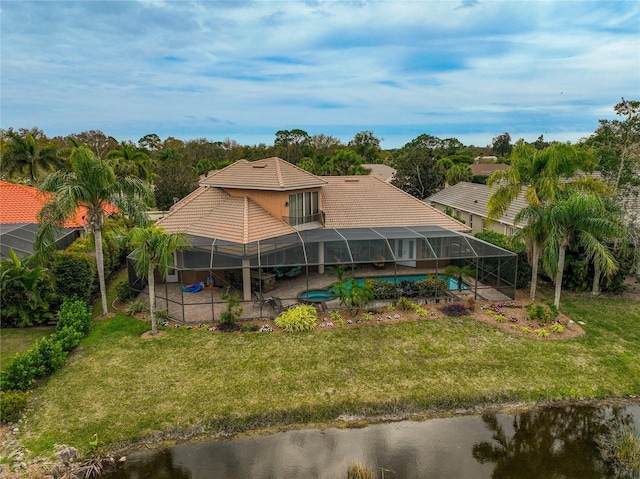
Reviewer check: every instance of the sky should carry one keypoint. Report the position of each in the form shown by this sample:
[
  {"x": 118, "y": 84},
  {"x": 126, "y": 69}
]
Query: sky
[{"x": 469, "y": 69}]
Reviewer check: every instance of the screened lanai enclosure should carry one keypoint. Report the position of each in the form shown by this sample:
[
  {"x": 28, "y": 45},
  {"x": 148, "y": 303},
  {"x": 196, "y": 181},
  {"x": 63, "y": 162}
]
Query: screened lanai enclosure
[{"x": 271, "y": 274}]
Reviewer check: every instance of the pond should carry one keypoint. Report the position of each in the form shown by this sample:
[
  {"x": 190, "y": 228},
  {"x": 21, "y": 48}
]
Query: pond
[{"x": 544, "y": 442}]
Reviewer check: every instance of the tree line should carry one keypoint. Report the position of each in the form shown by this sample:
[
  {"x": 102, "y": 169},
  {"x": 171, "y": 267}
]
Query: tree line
[{"x": 173, "y": 166}]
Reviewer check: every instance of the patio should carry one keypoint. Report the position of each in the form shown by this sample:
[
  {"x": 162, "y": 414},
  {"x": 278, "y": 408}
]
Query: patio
[{"x": 207, "y": 305}]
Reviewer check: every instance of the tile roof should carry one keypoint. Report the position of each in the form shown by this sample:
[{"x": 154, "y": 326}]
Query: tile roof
[
  {"x": 212, "y": 213},
  {"x": 367, "y": 201},
  {"x": 384, "y": 172},
  {"x": 21, "y": 204},
  {"x": 273, "y": 174},
  {"x": 487, "y": 168},
  {"x": 473, "y": 198}
]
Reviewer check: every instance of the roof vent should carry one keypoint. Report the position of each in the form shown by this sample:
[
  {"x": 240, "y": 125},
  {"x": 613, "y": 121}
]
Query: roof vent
[
  {"x": 351, "y": 180},
  {"x": 263, "y": 165}
]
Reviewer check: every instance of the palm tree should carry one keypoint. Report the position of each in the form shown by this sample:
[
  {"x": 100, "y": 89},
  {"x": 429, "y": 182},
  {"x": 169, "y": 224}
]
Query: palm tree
[
  {"x": 579, "y": 218},
  {"x": 153, "y": 248},
  {"x": 458, "y": 272},
  {"x": 90, "y": 184},
  {"x": 544, "y": 175},
  {"x": 128, "y": 160},
  {"x": 533, "y": 235},
  {"x": 29, "y": 154}
]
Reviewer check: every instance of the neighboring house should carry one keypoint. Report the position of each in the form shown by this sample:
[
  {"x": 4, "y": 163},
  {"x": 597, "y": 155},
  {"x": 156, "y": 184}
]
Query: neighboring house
[
  {"x": 485, "y": 169},
  {"x": 468, "y": 201},
  {"x": 384, "y": 172},
  {"x": 271, "y": 216},
  {"x": 19, "y": 208}
]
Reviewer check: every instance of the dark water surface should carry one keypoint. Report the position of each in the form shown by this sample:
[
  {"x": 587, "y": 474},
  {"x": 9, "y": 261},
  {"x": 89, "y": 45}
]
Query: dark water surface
[{"x": 548, "y": 442}]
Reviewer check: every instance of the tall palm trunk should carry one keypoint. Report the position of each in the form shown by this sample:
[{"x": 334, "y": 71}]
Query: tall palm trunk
[
  {"x": 100, "y": 266},
  {"x": 561, "y": 256},
  {"x": 535, "y": 259},
  {"x": 595, "y": 290},
  {"x": 152, "y": 298}
]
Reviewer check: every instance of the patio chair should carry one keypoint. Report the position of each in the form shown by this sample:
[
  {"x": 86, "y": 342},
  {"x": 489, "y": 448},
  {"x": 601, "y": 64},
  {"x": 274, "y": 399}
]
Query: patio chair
[
  {"x": 277, "y": 306},
  {"x": 259, "y": 299}
]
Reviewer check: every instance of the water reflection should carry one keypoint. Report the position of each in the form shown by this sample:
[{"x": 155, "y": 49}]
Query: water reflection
[
  {"x": 555, "y": 442},
  {"x": 551, "y": 442}
]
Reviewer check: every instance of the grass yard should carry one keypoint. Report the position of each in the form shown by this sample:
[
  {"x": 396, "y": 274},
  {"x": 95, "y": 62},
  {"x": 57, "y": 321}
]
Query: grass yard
[
  {"x": 125, "y": 389},
  {"x": 18, "y": 340}
]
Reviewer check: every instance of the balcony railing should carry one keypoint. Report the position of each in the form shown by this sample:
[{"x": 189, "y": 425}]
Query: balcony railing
[{"x": 301, "y": 220}]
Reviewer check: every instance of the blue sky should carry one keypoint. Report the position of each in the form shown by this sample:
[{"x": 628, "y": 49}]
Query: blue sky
[{"x": 469, "y": 69}]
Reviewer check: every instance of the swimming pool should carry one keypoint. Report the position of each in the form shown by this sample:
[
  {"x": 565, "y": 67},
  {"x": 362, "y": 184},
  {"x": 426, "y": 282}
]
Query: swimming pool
[{"x": 453, "y": 282}]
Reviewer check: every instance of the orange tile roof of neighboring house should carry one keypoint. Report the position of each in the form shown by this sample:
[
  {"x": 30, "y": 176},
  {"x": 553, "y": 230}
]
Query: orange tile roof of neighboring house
[
  {"x": 273, "y": 174},
  {"x": 367, "y": 201},
  {"x": 21, "y": 204},
  {"x": 213, "y": 213}
]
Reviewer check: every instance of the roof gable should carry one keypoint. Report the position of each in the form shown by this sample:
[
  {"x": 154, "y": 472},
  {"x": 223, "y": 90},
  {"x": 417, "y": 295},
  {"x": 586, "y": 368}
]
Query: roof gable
[
  {"x": 269, "y": 174},
  {"x": 213, "y": 213},
  {"x": 473, "y": 198}
]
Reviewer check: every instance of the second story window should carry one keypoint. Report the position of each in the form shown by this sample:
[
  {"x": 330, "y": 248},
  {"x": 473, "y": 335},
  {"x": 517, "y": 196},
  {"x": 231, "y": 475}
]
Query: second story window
[{"x": 304, "y": 208}]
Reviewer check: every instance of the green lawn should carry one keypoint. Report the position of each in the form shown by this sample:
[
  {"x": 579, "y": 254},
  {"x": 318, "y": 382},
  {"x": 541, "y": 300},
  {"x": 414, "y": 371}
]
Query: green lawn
[
  {"x": 124, "y": 388},
  {"x": 18, "y": 340}
]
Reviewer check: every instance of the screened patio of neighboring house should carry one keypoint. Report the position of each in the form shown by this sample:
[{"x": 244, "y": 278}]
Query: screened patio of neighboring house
[{"x": 268, "y": 274}]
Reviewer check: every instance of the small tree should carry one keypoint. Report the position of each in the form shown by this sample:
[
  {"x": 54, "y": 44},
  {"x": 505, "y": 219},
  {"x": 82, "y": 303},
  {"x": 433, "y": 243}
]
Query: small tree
[{"x": 153, "y": 249}]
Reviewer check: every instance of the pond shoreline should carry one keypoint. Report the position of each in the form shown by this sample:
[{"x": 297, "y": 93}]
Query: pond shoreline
[{"x": 178, "y": 437}]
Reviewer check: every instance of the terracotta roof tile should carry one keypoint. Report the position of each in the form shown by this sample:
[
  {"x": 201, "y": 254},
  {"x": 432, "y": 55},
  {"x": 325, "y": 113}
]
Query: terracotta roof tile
[
  {"x": 367, "y": 201},
  {"x": 21, "y": 204},
  {"x": 268, "y": 174}
]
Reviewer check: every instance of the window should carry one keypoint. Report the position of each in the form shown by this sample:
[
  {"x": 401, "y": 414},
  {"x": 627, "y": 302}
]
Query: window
[
  {"x": 470, "y": 221},
  {"x": 304, "y": 208}
]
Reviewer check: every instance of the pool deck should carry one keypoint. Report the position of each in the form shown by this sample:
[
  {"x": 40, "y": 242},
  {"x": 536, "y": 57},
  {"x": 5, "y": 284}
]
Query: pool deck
[{"x": 206, "y": 306}]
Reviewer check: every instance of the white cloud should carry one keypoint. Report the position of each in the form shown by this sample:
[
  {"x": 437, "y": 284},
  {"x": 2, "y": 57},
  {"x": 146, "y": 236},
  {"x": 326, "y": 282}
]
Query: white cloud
[{"x": 464, "y": 69}]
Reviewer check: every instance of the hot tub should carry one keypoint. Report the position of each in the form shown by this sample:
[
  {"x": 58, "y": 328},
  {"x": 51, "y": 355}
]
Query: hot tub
[{"x": 316, "y": 296}]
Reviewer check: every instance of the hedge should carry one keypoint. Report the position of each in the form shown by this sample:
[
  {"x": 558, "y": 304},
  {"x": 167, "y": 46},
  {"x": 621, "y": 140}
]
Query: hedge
[{"x": 48, "y": 354}]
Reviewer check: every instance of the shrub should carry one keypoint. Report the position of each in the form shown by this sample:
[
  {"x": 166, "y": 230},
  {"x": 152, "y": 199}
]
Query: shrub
[
  {"x": 21, "y": 372},
  {"x": 541, "y": 313},
  {"x": 26, "y": 294},
  {"x": 405, "y": 304},
  {"x": 382, "y": 289},
  {"x": 12, "y": 403},
  {"x": 300, "y": 318},
  {"x": 556, "y": 328},
  {"x": 368, "y": 316},
  {"x": 454, "y": 309},
  {"x": 74, "y": 314},
  {"x": 337, "y": 318},
  {"x": 431, "y": 287},
  {"x": 542, "y": 333},
  {"x": 123, "y": 290},
  {"x": 137, "y": 306},
  {"x": 48, "y": 354},
  {"x": 74, "y": 274},
  {"x": 420, "y": 311}
]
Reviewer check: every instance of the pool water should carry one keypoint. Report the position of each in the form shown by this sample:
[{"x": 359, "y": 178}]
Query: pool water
[{"x": 453, "y": 282}]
